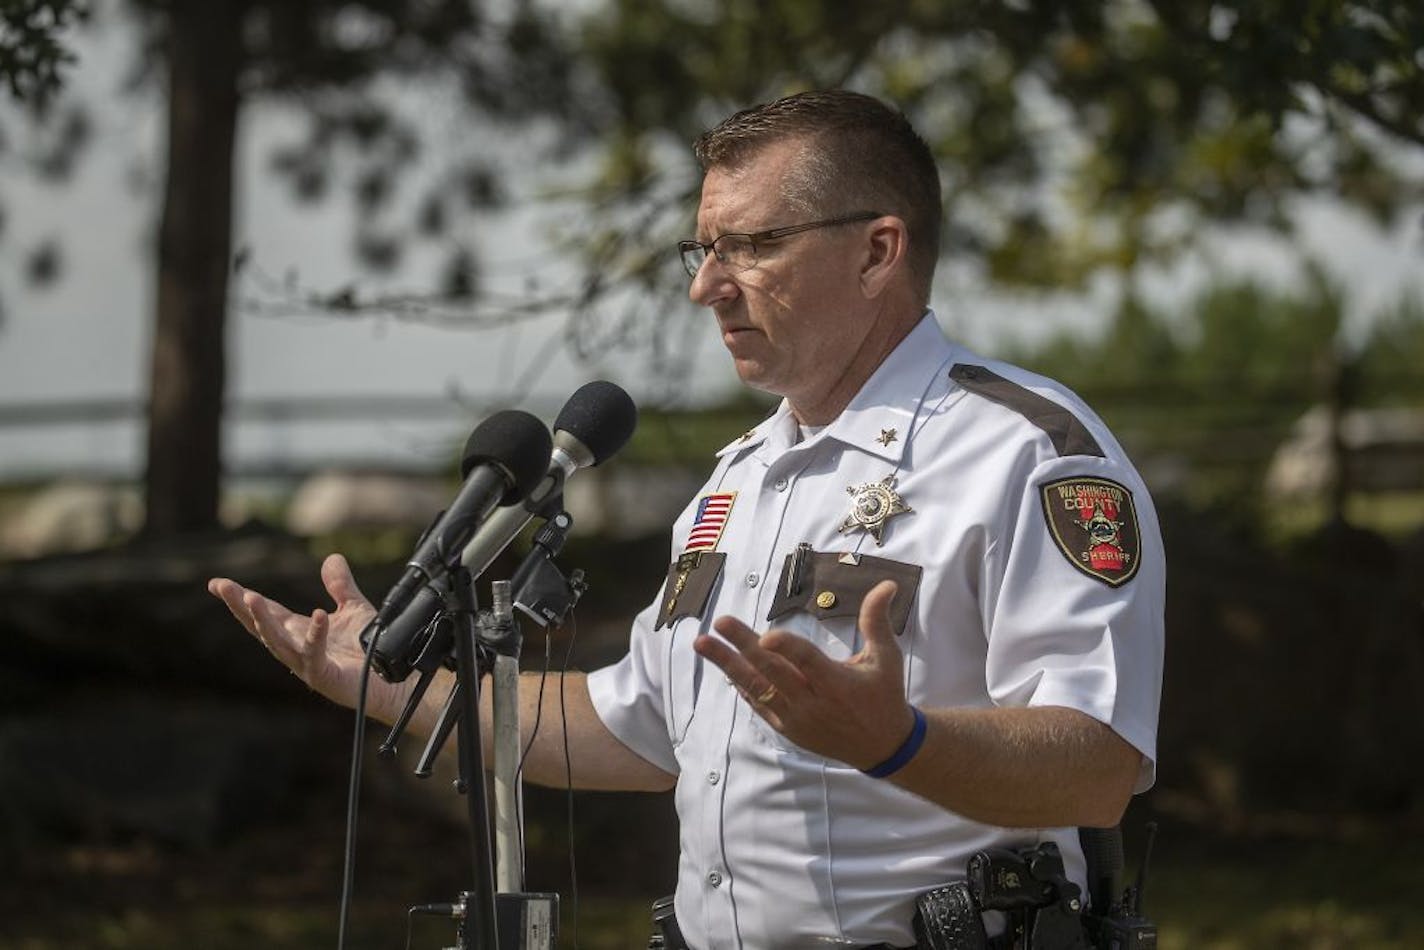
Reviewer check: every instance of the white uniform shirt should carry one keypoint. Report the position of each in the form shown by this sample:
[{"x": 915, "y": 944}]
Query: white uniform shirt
[{"x": 781, "y": 848}]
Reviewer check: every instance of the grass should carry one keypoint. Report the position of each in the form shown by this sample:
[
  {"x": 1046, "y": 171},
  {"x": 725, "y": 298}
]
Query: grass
[
  {"x": 1205, "y": 894},
  {"x": 1297, "y": 895}
]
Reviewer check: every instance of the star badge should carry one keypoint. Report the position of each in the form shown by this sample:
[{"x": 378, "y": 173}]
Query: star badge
[
  {"x": 873, "y": 504},
  {"x": 886, "y": 436}
]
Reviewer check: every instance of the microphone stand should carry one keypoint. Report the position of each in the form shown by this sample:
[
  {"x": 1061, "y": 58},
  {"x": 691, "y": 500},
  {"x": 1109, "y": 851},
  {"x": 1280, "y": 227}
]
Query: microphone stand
[
  {"x": 457, "y": 629},
  {"x": 500, "y": 633},
  {"x": 491, "y": 642},
  {"x": 478, "y": 920}
]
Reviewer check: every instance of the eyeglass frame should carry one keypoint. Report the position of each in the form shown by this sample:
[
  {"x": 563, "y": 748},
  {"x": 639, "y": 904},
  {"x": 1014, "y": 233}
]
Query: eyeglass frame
[{"x": 709, "y": 249}]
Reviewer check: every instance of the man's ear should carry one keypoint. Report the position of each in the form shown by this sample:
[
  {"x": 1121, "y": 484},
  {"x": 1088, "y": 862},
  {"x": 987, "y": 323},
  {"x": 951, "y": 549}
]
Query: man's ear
[{"x": 886, "y": 254}]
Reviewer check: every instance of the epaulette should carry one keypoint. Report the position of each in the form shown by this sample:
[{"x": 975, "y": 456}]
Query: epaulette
[{"x": 1067, "y": 432}]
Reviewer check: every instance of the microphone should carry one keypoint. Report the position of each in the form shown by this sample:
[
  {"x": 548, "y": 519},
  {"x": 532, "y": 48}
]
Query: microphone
[
  {"x": 504, "y": 459},
  {"x": 594, "y": 424}
]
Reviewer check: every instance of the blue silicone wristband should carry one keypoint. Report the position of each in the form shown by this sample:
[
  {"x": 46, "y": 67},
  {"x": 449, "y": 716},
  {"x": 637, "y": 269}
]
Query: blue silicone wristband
[{"x": 902, "y": 756}]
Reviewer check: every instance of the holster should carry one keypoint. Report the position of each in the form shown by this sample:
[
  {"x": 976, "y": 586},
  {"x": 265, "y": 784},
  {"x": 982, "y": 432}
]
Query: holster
[{"x": 1041, "y": 906}]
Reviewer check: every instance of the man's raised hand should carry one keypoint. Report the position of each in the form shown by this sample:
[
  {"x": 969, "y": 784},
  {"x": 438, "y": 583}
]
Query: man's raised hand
[{"x": 323, "y": 649}]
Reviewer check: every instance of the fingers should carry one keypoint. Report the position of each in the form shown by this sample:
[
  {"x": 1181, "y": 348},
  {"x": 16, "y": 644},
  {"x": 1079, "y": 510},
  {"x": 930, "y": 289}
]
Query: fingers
[
  {"x": 798, "y": 651},
  {"x": 743, "y": 658},
  {"x": 317, "y": 631},
  {"x": 268, "y": 628},
  {"x": 233, "y": 595},
  {"x": 730, "y": 658},
  {"x": 874, "y": 618},
  {"x": 239, "y": 602},
  {"x": 336, "y": 576}
]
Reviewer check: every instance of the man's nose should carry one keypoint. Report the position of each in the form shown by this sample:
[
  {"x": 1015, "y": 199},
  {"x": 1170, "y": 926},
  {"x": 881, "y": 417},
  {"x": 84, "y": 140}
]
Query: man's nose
[{"x": 712, "y": 283}]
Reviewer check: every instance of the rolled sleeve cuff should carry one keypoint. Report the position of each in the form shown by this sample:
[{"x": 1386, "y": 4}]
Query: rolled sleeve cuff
[{"x": 629, "y": 713}]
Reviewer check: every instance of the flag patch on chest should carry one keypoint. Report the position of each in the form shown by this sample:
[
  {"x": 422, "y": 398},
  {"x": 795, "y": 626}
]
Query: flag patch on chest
[
  {"x": 707, "y": 524},
  {"x": 1094, "y": 523}
]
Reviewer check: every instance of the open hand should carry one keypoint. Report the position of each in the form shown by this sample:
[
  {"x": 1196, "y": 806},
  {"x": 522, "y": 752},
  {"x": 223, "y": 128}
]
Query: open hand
[
  {"x": 854, "y": 711},
  {"x": 323, "y": 649}
]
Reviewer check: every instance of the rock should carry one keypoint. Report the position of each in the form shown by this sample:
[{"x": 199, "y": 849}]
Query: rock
[
  {"x": 70, "y": 516},
  {"x": 1385, "y": 446},
  {"x": 335, "y": 501},
  {"x": 628, "y": 501}
]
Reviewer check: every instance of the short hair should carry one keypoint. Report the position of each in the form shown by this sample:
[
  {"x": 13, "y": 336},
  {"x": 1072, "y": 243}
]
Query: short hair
[{"x": 861, "y": 155}]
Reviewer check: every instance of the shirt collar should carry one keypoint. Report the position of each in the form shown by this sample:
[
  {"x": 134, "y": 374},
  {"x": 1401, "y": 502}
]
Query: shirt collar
[{"x": 879, "y": 416}]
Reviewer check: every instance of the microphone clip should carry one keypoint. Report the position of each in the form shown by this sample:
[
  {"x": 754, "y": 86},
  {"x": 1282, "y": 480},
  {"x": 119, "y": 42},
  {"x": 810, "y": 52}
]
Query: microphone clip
[{"x": 541, "y": 590}]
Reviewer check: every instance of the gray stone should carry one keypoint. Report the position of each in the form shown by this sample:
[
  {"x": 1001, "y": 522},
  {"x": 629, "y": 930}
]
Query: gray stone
[
  {"x": 335, "y": 501},
  {"x": 70, "y": 516}
]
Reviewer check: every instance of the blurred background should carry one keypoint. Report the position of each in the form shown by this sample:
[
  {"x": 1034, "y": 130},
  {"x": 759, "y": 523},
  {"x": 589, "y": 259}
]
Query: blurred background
[{"x": 263, "y": 265}]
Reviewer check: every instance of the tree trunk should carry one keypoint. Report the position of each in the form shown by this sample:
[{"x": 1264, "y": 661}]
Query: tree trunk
[{"x": 195, "y": 244}]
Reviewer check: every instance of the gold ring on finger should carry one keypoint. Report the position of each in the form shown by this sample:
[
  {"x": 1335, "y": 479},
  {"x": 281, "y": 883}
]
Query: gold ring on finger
[{"x": 766, "y": 695}]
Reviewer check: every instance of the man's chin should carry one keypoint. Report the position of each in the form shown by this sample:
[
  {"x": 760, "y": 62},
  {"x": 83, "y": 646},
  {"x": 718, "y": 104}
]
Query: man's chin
[{"x": 754, "y": 375}]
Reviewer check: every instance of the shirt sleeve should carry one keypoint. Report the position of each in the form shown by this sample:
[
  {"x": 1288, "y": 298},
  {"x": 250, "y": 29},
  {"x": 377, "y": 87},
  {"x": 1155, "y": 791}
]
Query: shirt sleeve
[
  {"x": 632, "y": 697},
  {"x": 629, "y": 695},
  {"x": 1070, "y": 622}
]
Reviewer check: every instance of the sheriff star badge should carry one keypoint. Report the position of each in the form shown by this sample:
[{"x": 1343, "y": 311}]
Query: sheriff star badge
[{"x": 873, "y": 504}]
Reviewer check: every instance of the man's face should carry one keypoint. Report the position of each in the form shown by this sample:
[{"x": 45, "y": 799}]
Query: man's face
[{"x": 794, "y": 321}]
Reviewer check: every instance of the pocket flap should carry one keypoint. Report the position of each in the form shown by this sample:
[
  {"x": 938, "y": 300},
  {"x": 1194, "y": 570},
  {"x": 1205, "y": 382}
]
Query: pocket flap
[{"x": 831, "y": 584}]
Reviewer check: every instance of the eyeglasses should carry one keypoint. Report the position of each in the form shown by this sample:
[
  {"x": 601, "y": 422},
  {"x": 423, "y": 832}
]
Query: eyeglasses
[{"x": 738, "y": 252}]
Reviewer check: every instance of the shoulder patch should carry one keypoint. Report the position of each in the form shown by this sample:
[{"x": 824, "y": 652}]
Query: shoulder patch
[
  {"x": 1094, "y": 523},
  {"x": 1069, "y": 435}
]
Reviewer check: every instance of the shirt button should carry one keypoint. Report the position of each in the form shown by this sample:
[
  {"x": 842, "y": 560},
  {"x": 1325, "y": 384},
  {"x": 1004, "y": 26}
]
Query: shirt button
[
  {"x": 713, "y": 777},
  {"x": 780, "y": 484},
  {"x": 753, "y": 579},
  {"x": 714, "y": 878}
]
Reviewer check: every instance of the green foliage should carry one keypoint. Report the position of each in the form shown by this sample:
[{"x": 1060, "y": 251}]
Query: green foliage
[
  {"x": 1072, "y": 137},
  {"x": 1213, "y": 387},
  {"x": 1391, "y": 361},
  {"x": 1061, "y": 127},
  {"x": 1236, "y": 340},
  {"x": 1258, "y": 341},
  {"x": 32, "y": 53},
  {"x": 1207, "y": 392}
]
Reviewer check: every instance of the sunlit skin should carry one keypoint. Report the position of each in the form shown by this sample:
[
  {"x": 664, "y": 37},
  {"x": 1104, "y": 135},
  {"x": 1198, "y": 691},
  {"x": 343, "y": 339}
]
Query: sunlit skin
[{"x": 821, "y": 309}]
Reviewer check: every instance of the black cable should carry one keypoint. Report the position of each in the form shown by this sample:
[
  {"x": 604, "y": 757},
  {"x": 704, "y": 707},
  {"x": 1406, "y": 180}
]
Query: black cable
[
  {"x": 569, "y": 777},
  {"x": 534, "y": 730},
  {"x": 353, "y": 790}
]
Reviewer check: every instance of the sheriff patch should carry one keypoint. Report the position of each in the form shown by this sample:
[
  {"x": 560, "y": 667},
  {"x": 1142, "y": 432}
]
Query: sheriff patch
[{"x": 1094, "y": 523}]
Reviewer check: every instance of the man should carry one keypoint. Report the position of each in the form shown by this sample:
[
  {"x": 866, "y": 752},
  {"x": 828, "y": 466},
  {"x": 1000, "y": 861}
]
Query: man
[{"x": 960, "y": 574}]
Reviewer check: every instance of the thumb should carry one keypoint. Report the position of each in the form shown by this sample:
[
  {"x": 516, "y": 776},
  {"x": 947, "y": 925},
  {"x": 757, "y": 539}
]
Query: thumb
[
  {"x": 339, "y": 582},
  {"x": 874, "y": 619}
]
